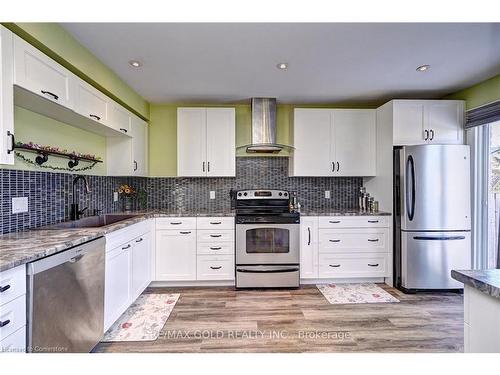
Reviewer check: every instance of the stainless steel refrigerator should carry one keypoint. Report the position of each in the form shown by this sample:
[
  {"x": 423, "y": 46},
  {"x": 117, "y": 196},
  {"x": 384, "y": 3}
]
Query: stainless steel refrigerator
[{"x": 432, "y": 216}]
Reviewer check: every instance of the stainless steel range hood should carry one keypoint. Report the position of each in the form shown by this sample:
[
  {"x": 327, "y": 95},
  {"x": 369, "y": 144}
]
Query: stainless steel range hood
[{"x": 264, "y": 127}]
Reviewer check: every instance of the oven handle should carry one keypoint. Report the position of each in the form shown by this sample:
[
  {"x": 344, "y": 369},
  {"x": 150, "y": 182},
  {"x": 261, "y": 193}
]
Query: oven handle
[{"x": 295, "y": 269}]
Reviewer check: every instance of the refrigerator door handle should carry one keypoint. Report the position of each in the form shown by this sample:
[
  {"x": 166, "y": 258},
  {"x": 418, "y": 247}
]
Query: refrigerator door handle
[
  {"x": 439, "y": 238},
  {"x": 410, "y": 201}
]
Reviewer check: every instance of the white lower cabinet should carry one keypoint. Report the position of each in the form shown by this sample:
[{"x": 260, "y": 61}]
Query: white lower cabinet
[
  {"x": 117, "y": 284},
  {"x": 128, "y": 269},
  {"x": 176, "y": 255},
  {"x": 215, "y": 267},
  {"x": 13, "y": 310},
  {"x": 309, "y": 247},
  {"x": 141, "y": 264},
  {"x": 345, "y": 247},
  {"x": 194, "y": 249}
]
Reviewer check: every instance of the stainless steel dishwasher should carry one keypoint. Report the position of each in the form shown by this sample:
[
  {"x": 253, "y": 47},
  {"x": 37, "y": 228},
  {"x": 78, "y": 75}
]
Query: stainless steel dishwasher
[{"x": 66, "y": 299}]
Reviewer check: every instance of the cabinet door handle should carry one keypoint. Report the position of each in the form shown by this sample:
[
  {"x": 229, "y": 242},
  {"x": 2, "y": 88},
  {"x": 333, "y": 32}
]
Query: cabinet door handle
[
  {"x": 338, "y": 166},
  {"x": 373, "y": 239},
  {"x": 373, "y": 265},
  {"x": 203, "y": 167},
  {"x": 216, "y": 235},
  {"x": 432, "y": 134},
  {"x": 4, "y": 288},
  {"x": 135, "y": 165},
  {"x": 127, "y": 247},
  {"x": 12, "y": 142},
  {"x": 185, "y": 232},
  {"x": 208, "y": 166},
  {"x": 215, "y": 222},
  {"x": 333, "y": 166},
  {"x": 373, "y": 221},
  {"x": 124, "y": 130},
  {"x": 426, "y": 132},
  {"x": 139, "y": 240},
  {"x": 48, "y": 93},
  {"x": 334, "y": 240},
  {"x": 309, "y": 240},
  {"x": 215, "y": 248},
  {"x": 334, "y": 221},
  {"x": 4, "y": 323},
  {"x": 216, "y": 268},
  {"x": 334, "y": 265},
  {"x": 95, "y": 117},
  {"x": 175, "y": 222}
]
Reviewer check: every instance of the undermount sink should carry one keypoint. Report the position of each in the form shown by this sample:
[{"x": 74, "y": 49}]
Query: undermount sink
[{"x": 92, "y": 221}]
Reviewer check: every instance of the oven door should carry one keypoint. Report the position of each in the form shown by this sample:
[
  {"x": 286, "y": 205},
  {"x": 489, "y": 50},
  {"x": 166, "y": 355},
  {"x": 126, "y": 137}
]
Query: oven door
[{"x": 267, "y": 244}]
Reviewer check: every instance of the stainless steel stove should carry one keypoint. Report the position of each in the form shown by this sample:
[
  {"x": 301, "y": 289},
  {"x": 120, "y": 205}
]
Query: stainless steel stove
[{"x": 267, "y": 239}]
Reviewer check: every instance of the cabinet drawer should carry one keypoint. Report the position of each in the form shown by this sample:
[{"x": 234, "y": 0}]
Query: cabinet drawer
[
  {"x": 12, "y": 316},
  {"x": 353, "y": 240},
  {"x": 12, "y": 284},
  {"x": 352, "y": 265},
  {"x": 14, "y": 343},
  {"x": 210, "y": 267},
  {"x": 176, "y": 223},
  {"x": 213, "y": 236},
  {"x": 215, "y": 223},
  {"x": 207, "y": 248},
  {"x": 124, "y": 236},
  {"x": 354, "y": 221}
]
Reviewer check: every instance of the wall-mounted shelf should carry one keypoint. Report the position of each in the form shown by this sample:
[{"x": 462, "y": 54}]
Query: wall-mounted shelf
[{"x": 44, "y": 153}]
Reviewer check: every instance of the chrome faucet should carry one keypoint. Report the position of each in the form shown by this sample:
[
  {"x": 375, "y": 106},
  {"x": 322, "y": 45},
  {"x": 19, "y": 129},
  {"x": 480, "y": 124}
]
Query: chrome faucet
[{"x": 75, "y": 212}]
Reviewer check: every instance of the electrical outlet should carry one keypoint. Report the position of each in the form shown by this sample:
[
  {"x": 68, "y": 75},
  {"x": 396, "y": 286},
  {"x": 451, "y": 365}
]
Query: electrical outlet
[
  {"x": 19, "y": 204},
  {"x": 327, "y": 194},
  {"x": 115, "y": 196},
  {"x": 212, "y": 194}
]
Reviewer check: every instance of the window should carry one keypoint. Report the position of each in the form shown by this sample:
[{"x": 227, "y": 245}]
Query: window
[{"x": 492, "y": 254}]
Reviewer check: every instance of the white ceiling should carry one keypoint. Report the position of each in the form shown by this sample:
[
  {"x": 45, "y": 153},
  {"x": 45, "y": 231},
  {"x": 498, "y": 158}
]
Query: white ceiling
[{"x": 328, "y": 63}]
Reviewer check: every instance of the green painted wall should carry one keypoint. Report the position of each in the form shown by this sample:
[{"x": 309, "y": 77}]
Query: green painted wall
[
  {"x": 55, "y": 41},
  {"x": 163, "y": 131},
  {"x": 39, "y": 129},
  {"x": 483, "y": 93}
]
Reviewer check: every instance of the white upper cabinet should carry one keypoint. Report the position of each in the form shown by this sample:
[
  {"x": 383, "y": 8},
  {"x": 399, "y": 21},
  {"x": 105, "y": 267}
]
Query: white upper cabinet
[
  {"x": 206, "y": 142},
  {"x": 6, "y": 97},
  {"x": 221, "y": 142},
  {"x": 354, "y": 142},
  {"x": 118, "y": 117},
  {"x": 312, "y": 141},
  {"x": 91, "y": 103},
  {"x": 139, "y": 130},
  {"x": 334, "y": 142},
  {"x": 428, "y": 121},
  {"x": 191, "y": 142},
  {"x": 38, "y": 73}
]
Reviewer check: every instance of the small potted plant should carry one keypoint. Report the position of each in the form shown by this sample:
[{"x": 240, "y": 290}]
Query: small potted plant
[{"x": 127, "y": 193}]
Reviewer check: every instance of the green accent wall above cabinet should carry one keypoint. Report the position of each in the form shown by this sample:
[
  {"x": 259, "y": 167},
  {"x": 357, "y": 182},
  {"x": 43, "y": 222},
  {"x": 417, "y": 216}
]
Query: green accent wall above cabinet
[{"x": 483, "y": 93}]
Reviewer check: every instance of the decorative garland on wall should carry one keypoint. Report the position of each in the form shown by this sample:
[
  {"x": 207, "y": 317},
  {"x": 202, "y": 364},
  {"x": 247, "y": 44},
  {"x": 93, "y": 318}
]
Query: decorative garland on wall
[{"x": 43, "y": 153}]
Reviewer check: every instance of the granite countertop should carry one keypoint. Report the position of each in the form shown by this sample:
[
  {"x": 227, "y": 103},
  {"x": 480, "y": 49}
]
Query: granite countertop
[
  {"x": 330, "y": 212},
  {"x": 486, "y": 281},
  {"x": 24, "y": 247}
]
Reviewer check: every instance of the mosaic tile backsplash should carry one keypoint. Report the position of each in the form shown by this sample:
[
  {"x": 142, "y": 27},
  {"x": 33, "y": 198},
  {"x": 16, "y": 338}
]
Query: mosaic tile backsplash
[{"x": 50, "y": 194}]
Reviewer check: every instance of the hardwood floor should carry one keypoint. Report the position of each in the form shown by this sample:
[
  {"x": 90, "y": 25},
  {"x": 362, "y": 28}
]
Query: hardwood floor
[{"x": 225, "y": 320}]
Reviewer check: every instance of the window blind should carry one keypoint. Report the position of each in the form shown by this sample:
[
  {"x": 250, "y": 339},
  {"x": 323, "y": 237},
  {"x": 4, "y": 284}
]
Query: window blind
[{"x": 483, "y": 115}]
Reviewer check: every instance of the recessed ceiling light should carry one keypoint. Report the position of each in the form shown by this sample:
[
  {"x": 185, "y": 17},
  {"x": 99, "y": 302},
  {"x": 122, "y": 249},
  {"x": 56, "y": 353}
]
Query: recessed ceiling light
[
  {"x": 423, "y": 68},
  {"x": 282, "y": 66},
  {"x": 135, "y": 63}
]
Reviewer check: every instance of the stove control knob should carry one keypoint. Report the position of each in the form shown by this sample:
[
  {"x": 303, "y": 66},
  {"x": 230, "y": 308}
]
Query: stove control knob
[
  {"x": 280, "y": 194},
  {"x": 239, "y": 194},
  {"x": 286, "y": 194},
  {"x": 245, "y": 194}
]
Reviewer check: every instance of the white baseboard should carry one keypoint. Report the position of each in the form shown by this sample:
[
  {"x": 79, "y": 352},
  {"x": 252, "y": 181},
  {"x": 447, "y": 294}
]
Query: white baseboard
[
  {"x": 194, "y": 283},
  {"x": 343, "y": 281}
]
